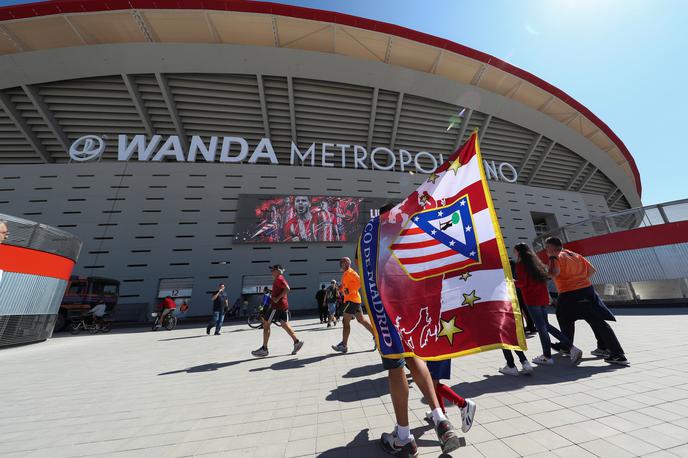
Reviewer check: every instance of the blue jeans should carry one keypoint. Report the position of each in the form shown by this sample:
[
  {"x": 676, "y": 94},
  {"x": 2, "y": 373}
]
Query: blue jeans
[
  {"x": 218, "y": 319},
  {"x": 539, "y": 314}
]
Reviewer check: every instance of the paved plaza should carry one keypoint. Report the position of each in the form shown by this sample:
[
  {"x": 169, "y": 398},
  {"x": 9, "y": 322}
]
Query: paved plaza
[{"x": 134, "y": 392}]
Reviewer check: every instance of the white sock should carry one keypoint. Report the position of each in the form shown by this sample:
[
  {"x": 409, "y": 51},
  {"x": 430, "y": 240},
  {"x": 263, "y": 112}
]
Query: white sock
[
  {"x": 404, "y": 433},
  {"x": 438, "y": 415}
]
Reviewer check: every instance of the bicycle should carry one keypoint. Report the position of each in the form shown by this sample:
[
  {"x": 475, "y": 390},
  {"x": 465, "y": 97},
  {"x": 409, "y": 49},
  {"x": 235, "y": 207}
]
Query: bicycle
[
  {"x": 170, "y": 321},
  {"x": 255, "y": 319},
  {"x": 91, "y": 324}
]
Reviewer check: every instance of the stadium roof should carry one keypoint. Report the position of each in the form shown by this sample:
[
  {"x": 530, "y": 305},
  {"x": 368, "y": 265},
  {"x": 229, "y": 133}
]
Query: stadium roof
[{"x": 67, "y": 23}]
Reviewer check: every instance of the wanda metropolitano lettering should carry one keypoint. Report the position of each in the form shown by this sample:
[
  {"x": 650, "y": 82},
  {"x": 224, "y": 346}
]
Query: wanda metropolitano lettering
[{"x": 237, "y": 150}]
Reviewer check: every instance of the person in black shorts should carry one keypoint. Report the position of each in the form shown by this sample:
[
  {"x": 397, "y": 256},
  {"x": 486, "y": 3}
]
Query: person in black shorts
[{"x": 278, "y": 311}]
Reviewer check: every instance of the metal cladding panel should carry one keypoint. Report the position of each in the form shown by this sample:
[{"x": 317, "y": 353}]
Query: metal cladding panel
[
  {"x": 154, "y": 104},
  {"x": 276, "y": 91},
  {"x": 35, "y": 121},
  {"x": 423, "y": 125},
  {"x": 25, "y": 294},
  {"x": 14, "y": 147},
  {"x": 226, "y": 104},
  {"x": 100, "y": 106},
  {"x": 645, "y": 264},
  {"x": 506, "y": 142},
  {"x": 218, "y": 104},
  {"x": 384, "y": 117}
]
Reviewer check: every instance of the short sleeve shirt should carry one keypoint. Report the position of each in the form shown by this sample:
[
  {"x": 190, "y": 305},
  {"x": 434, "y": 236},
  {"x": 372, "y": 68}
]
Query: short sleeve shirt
[
  {"x": 351, "y": 282},
  {"x": 574, "y": 271},
  {"x": 278, "y": 286},
  {"x": 219, "y": 303}
]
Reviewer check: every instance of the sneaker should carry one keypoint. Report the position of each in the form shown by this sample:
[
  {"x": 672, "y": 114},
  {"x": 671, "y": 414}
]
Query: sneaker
[
  {"x": 428, "y": 417},
  {"x": 467, "y": 415},
  {"x": 207, "y": 330},
  {"x": 449, "y": 441},
  {"x": 506, "y": 370},
  {"x": 340, "y": 348},
  {"x": 527, "y": 368},
  {"x": 557, "y": 346},
  {"x": 328, "y": 325},
  {"x": 297, "y": 347},
  {"x": 576, "y": 355},
  {"x": 620, "y": 360},
  {"x": 600, "y": 353},
  {"x": 261, "y": 352},
  {"x": 391, "y": 444},
  {"x": 217, "y": 334},
  {"x": 543, "y": 361}
]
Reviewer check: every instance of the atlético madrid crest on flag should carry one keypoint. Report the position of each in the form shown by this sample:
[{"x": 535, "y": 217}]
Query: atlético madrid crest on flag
[{"x": 435, "y": 271}]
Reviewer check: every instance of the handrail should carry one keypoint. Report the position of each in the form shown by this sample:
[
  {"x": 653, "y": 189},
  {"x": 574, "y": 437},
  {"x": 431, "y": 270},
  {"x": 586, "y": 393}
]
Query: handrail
[
  {"x": 37, "y": 236},
  {"x": 650, "y": 215}
]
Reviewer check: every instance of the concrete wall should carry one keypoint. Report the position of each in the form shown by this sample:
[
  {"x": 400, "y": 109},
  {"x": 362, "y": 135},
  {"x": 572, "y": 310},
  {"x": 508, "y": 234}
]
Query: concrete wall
[{"x": 143, "y": 221}]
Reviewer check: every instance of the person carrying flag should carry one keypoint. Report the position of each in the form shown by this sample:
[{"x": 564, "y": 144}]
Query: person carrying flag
[
  {"x": 437, "y": 285},
  {"x": 400, "y": 441},
  {"x": 351, "y": 283}
]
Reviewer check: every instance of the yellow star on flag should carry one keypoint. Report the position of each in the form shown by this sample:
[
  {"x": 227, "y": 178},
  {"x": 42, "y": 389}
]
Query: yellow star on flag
[
  {"x": 455, "y": 166},
  {"x": 469, "y": 299},
  {"x": 433, "y": 177},
  {"x": 449, "y": 329}
]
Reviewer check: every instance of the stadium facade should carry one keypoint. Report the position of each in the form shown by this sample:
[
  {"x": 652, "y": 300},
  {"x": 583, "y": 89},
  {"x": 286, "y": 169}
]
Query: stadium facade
[{"x": 163, "y": 134}]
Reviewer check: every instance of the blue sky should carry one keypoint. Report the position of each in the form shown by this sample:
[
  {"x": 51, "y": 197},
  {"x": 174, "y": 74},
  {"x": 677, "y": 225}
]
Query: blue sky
[{"x": 626, "y": 60}]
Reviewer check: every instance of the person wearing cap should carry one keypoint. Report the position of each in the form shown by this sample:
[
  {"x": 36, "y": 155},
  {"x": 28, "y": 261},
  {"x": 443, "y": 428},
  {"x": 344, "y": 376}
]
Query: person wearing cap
[
  {"x": 351, "y": 282},
  {"x": 331, "y": 296},
  {"x": 279, "y": 309}
]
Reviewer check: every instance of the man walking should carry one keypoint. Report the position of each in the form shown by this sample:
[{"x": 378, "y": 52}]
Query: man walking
[
  {"x": 331, "y": 298},
  {"x": 322, "y": 307},
  {"x": 351, "y": 282},
  {"x": 278, "y": 311},
  {"x": 578, "y": 300},
  {"x": 220, "y": 304}
]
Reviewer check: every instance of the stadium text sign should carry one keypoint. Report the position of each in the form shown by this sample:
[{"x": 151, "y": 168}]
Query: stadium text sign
[{"x": 236, "y": 150}]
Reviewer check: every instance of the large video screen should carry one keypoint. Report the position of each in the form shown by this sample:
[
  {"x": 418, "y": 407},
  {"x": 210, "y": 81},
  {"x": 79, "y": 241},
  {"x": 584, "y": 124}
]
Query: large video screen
[{"x": 298, "y": 218}]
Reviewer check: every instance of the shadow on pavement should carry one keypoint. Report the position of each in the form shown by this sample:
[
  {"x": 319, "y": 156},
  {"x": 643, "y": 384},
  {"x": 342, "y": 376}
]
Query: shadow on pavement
[
  {"x": 499, "y": 383},
  {"x": 364, "y": 371},
  {"x": 294, "y": 363},
  {"x": 214, "y": 366},
  {"x": 361, "y": 445},
  {"x": 181, "y": 338}
]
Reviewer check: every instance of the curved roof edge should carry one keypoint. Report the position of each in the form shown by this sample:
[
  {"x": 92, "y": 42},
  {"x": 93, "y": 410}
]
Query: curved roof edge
[{"x": 54, "y": 7}]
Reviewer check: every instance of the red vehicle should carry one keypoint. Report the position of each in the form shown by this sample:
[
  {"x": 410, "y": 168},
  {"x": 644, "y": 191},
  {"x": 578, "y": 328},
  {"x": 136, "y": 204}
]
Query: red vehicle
[{"x": 83, "y": 293}]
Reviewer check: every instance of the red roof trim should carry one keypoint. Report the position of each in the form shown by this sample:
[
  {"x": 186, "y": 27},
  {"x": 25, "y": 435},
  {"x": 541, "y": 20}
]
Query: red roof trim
[{"x": 80, "y": 6}]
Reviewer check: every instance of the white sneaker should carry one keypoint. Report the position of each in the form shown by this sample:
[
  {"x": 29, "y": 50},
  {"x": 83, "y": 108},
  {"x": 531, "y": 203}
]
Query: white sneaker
[
  {"x": 543, "y": 361},
  {"x": 297, "y": 347},
  {"x": 467, "y": 415},
  {"x": 506, "y": 370},
  {"x": 576, "y": 355},
  {"x": 527, "y": 368},
  {"x": 428, "y": 417}
]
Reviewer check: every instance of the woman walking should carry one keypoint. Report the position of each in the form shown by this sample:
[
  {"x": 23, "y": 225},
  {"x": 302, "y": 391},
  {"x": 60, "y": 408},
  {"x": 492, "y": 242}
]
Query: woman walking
[{"x": 531, "y": 279}]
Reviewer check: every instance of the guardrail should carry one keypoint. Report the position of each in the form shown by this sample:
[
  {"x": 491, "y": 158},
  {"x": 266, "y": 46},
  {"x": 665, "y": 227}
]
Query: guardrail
[
  {"x": 651, "y": 215},
  {"x": 37, "y": 236}
]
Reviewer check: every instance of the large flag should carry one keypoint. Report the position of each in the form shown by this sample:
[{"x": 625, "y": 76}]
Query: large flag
[{"x": 435, "y": 271}]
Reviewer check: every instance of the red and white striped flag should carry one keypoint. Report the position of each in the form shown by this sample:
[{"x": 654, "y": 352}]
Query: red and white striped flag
[{"x": 438, "y": 282}]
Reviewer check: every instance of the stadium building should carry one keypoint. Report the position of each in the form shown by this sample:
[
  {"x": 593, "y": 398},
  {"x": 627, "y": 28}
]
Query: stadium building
[{"x": 178, "y": 139}]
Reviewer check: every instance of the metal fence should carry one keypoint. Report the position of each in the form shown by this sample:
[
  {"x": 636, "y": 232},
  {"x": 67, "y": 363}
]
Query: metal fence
[
  {"x": 651, "y": 215},
  {"x": 37, "y": 236}
]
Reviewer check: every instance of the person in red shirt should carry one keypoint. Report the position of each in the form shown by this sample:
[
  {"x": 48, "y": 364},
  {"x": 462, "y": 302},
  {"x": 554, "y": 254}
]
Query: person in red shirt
[
  {"x": 166, "y": 307},
  {"x": 279, "y": 309},
  {"x": 531, "y": 279}
]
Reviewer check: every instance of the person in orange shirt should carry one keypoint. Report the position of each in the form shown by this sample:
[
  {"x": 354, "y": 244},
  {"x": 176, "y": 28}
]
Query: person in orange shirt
[
  {"x": 578, "y": 300},
  {"x": 351, "y": 283}
]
